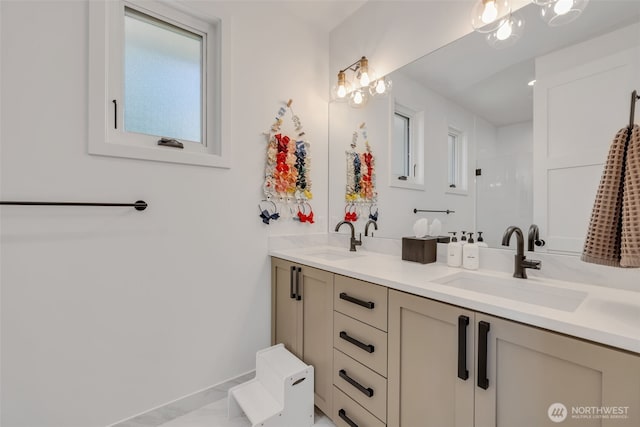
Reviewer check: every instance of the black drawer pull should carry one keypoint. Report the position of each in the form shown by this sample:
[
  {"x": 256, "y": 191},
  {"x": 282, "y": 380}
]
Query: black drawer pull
[
  {"x": 365, "y": 304},
  {"x": 298, "y": 296},
  {"x": 483, "y": 332},
  {"x": 368, "y": 391},
  {"x": 369, "y": 348},
  {"x": 463, "y": 322},
  {"x": 292, "y": 293},
  {"x": 342, "y": 414}
]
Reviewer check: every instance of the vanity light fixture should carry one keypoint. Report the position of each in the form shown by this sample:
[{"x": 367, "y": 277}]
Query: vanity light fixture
[
  {"x": 560, "y": 12},
  {"x": 364, "y": 85},
  {"x": 487, "y": 15}
]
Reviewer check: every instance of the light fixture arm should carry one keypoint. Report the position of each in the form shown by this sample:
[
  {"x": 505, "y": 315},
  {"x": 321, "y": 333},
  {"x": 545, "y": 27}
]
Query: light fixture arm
[{"x": 355, "y": 66}]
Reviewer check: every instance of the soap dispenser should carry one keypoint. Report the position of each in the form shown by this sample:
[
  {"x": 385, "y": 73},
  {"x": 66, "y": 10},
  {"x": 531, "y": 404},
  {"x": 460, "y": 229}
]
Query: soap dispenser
[
  {"x": 470, "y": 254},
  {"x": 480, "y": 241},
  {"x": 463, "y": 239},
  {"x": 454, "y": 252}
]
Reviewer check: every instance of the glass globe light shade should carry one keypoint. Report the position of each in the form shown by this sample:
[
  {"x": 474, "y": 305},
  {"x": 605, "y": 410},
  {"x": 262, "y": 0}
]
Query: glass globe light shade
[
  {"x": 560, "y": 12},
  {"x": 380, "y": 87},
  {"x": 358, "y": 98},
  {"x": 487, "y": 15},
  {"x": 340, "y": 92},
  {"x": 365, "y": 74},
  {"x": 508, "y": 34}
]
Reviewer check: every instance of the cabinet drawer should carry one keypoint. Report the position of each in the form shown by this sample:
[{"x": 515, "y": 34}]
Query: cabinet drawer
[
  {"x": 348, "y": 408},
  {"x": 362, "y": 342},
  {"x": 361, "y": 384},
  {"x": 361, "y": 300}
]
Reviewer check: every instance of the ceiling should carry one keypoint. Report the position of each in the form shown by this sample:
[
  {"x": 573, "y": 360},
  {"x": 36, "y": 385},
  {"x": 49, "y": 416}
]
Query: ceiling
[{"x": 493, "y": 82}]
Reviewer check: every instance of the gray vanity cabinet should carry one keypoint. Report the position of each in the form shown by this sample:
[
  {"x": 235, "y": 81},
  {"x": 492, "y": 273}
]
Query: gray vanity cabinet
[
  {"x": 301, "y": 319},
  {"x": 516, "y": 373}
]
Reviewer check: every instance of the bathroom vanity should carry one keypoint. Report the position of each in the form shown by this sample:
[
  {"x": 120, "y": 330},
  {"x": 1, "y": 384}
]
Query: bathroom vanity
[{"x": 401, "y": 344}]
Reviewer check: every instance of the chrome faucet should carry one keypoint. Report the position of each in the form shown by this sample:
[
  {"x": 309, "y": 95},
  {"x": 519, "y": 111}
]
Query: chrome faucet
[
  {"x": 353, "y": 242},
  {"x": 366, "y": 227},
  {"x": 534, "y": 238},
  {"x": 521, "y": 263}
]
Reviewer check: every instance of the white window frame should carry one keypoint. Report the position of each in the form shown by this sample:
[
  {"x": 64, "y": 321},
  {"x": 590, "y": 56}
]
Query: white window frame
[
  {"x": 415, "y": 180},
  {"x": 461, "y": 160},
  {"x": 106, "y": 49}
]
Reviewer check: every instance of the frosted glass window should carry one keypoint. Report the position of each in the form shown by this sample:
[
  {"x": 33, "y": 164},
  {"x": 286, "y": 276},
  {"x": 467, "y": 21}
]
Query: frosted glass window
[{"x": 162, "y": 78}]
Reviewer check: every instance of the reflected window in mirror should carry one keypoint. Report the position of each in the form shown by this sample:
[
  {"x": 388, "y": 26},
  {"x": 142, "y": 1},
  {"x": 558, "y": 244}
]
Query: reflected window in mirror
[
  {"x": 406, "y": 150},
  {"x": 402, "y": 165},
  {"x": 457, "y": 162}
]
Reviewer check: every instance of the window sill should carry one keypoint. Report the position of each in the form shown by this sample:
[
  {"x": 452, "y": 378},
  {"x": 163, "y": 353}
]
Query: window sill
[
  {"x": 396, "y": 183},
  {"x": 159, "y": 154},
  {"x": 456, "y": 192}
]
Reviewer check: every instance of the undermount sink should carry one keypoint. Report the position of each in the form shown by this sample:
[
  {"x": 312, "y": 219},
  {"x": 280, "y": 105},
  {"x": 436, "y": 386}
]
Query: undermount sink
[
  {"x": 332, "y": 254},
  {"x": 522, "y": 290}
]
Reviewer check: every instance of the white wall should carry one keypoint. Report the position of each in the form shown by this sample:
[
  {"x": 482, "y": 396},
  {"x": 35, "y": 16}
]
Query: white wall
[{"x": 109, "y": 312}]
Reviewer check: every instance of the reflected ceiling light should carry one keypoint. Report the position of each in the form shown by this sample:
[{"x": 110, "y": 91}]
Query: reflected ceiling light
[
  {"x": 508, "y": 33},
  {"x": 532, "y": 82},
  {"x": 364, "y": 84},
  {"x": 486, "y": 15},
  {"x": 380, "y": 87},
  {"x": 560, "y": 12},
  {"x": 358, "y": 98}
]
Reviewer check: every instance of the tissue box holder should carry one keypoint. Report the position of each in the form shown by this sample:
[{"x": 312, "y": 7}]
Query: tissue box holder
[{"x": 419, "y": 249}]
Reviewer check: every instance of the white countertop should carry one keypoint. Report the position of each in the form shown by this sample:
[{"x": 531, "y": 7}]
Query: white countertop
[{"x": 607, "y": 316}]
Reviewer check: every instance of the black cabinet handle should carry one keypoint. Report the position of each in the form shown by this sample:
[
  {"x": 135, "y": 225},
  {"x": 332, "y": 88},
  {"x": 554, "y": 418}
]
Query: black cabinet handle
[
  {"x": 342, "y": 414},
  {"x": 483, "y": 332},
  {"x": 115, "y": 114},
  {"x": 369, "y": 348},
  {"x": 293, "y": 278},
  {"x": 298, "y": 296},
  {"x": 368, "y": 391},
  {"x": 463, "y": 322},
  {"x": 365, "y": 304}
]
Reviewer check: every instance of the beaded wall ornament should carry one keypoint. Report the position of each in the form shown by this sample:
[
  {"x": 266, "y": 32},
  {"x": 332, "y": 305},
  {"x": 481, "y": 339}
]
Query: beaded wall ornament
[
  {"x": 287, "y": 172},
  {"x": 361, "y": 185}
]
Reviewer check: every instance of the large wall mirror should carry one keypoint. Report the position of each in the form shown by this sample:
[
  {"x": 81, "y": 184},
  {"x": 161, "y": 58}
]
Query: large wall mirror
[{"x": 483, "y": 140}]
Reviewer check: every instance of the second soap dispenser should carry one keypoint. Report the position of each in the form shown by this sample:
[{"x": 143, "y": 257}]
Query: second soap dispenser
[
  {"x": 470, "y": 254},
  {"x": 454, "y": 252}
]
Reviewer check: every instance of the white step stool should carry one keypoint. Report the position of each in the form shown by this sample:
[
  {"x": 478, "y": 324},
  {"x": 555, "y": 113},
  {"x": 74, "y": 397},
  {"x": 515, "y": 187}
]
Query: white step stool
[{"x": 281, "y": 394}]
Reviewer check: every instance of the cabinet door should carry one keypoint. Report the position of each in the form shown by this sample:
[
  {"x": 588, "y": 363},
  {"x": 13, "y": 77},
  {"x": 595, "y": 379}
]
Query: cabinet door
[
  {"x": 529, "y": 370},
  {"x": 424, "y": 387},
  {"x": 302, "y": 319},
  {"x": 285, "y": 310},
  {"x": 316, "y": 289}
]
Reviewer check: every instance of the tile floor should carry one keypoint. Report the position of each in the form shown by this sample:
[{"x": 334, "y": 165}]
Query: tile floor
[
  {"x": 215, "y": 415},
  {"x": 207, "y": 408}
]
